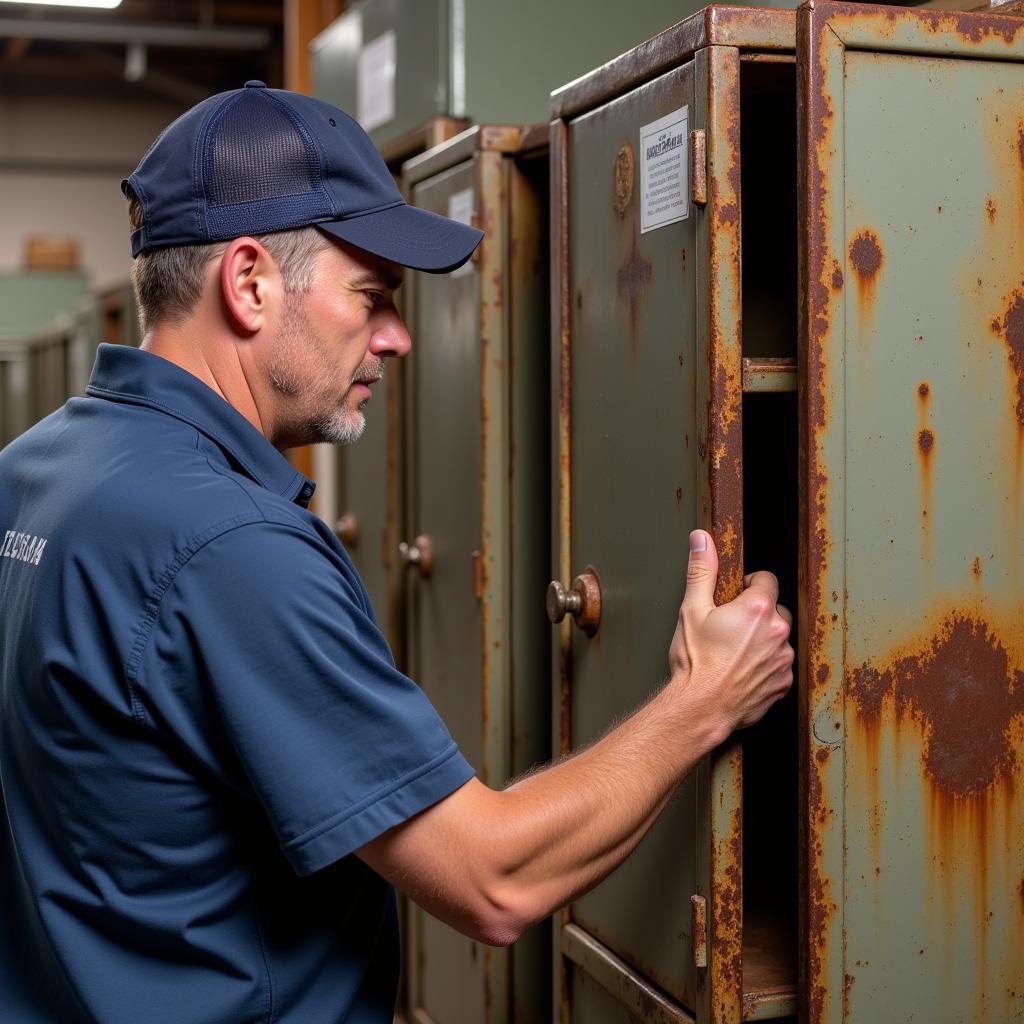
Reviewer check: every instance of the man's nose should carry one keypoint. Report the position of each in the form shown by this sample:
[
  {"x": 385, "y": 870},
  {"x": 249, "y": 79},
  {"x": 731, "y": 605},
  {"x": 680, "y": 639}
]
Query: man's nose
[{"x": 390, "y": 337}]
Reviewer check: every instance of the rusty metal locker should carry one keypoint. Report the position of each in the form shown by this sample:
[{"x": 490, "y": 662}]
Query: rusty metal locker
[
  {"x": 857, "y": 856},
  {"x": 365, "y": 503},
  {"x": 912, "y": 539},
  {"x": 651, "y": 358},
  {"x": 476, "y": 549}
]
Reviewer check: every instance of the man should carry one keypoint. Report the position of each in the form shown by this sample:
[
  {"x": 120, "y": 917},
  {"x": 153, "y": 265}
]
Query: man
[{"x": 213, "y": 775}]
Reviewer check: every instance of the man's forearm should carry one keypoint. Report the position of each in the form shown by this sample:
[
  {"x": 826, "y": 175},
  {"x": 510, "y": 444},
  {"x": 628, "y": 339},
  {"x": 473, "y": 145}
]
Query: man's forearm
[
  {"x": 511, "y": 857},
  {"x": 490, "y": 863},
  {"x": 571, "y": 824}
]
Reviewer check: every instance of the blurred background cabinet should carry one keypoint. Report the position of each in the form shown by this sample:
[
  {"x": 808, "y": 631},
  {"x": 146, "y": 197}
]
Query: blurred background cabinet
[{"x": 476, "y": 550}]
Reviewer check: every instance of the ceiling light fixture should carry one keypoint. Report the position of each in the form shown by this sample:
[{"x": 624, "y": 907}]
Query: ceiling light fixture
[{"x": 106, "y": 5}]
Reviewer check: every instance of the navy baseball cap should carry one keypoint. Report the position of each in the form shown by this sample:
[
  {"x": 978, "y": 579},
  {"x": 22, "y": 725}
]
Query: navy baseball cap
[{"x": 256, "y": 160}]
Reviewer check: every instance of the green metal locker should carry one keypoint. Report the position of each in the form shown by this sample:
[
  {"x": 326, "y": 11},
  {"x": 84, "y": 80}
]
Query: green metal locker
[
  {"x": 88, "y": 334},
  {"x": 477, "y": 550},
  {"x": 397, "y": 64},
  {"x": 30, "y": 300},
  {"x": 911, "y": 532},
  {"x": 48, "y": 365},
  {"x": 120, "y": 315},
  {"x": 14, "y": 404},
  {"x": 366, "y": 505},
  {"x": 721, "y": 192},
  {"x": 649, "y": 353}
]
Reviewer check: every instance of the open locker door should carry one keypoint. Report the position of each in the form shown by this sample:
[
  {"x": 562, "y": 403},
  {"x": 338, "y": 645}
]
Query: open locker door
[{"x": 912, "y": 549}]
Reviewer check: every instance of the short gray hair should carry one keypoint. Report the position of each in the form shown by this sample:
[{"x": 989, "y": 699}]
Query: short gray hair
[{"x": 169, "y": 282}]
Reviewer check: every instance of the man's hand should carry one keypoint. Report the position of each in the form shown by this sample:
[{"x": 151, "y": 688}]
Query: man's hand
[
  {"x": 492, "y": 863},
  {"x": 734, "y": 658}
]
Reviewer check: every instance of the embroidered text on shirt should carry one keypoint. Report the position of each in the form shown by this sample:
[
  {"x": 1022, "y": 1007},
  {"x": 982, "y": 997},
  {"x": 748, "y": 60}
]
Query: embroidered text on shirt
[{"x": 25, "y": 547}]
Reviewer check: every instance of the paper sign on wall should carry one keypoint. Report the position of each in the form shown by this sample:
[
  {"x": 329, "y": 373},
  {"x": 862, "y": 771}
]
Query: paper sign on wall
[
  {"x": 460, "y": 208},
  {"x": 375, "y": 82},
  {"x": 663, "y": 171}
]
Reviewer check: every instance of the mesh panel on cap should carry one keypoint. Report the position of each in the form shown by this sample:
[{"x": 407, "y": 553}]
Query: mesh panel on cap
[{"x": 257, "y": 153}]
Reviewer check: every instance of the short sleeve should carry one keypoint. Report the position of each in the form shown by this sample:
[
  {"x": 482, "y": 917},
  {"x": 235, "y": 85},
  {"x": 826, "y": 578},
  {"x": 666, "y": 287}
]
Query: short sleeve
[{"x": 337, "y": 744}]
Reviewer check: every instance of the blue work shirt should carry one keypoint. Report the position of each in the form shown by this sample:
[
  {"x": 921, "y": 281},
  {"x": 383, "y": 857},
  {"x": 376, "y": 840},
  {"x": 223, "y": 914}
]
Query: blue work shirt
[{"x": 200, "y": 723}]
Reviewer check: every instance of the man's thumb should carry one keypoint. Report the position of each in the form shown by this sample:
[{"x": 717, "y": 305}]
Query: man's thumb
[{"x": 701, "y": 572}]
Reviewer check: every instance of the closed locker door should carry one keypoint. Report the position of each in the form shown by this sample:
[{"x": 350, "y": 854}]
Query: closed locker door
[
  {"x": 912, "y": 419},
  {"x": 630, "y": 482},
  {"x": 450, "y": 974}
]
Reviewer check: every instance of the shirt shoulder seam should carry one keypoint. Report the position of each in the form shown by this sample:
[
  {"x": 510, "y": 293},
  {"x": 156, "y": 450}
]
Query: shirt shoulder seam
[
  {"x": 144, "y": 629},
  {"x": 151, "y": 612}
]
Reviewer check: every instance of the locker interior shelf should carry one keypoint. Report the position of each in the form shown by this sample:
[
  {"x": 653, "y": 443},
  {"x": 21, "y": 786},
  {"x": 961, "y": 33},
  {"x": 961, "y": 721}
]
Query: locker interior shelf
[
  {"x": 769, "y": 374},
  {"x": 769, "y": 968}
]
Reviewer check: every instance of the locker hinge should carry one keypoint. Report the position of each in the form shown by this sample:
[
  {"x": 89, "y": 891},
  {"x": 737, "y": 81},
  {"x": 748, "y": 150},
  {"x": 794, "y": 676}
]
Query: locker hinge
[
  {"x": 699, "y": 930},
  {"x": 698, "y": 167}
]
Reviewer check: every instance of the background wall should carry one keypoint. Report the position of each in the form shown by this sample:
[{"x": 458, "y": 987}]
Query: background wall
[{"x": 61, "y": 165}]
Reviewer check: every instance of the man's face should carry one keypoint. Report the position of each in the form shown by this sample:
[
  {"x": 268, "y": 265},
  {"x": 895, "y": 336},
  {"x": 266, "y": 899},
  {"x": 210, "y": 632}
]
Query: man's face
[{"x": 330, "y": 347}]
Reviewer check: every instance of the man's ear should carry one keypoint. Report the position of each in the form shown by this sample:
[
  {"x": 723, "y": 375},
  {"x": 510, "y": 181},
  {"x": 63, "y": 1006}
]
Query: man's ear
[{"x": 247, "y": 275}]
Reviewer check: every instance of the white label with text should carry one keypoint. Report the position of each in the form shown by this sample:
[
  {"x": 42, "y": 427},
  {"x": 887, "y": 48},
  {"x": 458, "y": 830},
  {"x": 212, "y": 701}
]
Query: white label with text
[
  {"x": 375, "y": 84},
  {"x": 664, "y": 199},
  {"x": 460, "y": 208}
]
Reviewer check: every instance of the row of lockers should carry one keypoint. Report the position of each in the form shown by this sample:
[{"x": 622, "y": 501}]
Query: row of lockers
[
  {"x": 42, "y": 366},
  {"x": 761, "y": 274}
]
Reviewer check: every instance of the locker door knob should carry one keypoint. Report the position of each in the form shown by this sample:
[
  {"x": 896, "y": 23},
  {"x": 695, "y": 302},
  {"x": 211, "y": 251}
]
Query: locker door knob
[
  {"x": 582, "y": 601},
  {"x": 419, "y": 553},
  {"x": 346, "y": 529}
]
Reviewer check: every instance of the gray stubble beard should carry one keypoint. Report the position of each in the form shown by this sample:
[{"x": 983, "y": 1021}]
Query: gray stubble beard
[{"x": 337, "y": 426}]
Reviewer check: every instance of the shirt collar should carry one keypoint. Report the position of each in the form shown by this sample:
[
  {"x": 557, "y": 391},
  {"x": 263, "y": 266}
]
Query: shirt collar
[{"x": 130, "y": 375}]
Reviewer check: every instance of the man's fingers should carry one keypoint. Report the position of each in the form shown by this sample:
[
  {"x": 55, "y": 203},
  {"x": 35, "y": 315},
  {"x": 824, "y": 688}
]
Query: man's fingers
[
  {"x": 785, "y": 613},
  {"x": 763, "y": 583},
  {"x": 701, "y": 572}
]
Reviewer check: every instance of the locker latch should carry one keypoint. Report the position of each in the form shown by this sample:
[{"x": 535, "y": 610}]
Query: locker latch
[
  {"x": 698, "y": 168},
  {"x": 699, "y": 930}
]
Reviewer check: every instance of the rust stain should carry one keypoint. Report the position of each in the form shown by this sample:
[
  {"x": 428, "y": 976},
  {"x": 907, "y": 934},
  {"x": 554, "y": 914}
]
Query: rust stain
[
  {"x": 633, "y": 281},
  {"x": 866, "y": 257},
  {"x": 623, "y": 178},
  {"x": 1011, "y": 329},
  {"x": 726, "y": 925},
  {"x": 976, "y": 567},
  {"x": 679, "y": 495},
  {"x": 968, "y": 26},
  {"x": 818, "y": 302},
  {"x": 848, "y": 981},
  {"x": 962, "y": 674},
  {"x": 721, "y": 422},
  {"x": 990, "y": 209},
  {"x": 925, "y": 447},
  {"x": 837, "y": 276}
]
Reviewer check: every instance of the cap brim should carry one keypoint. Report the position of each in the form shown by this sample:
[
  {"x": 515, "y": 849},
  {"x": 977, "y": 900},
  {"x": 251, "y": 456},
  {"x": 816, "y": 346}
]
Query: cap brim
[{"x": 410, "y": 237}]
